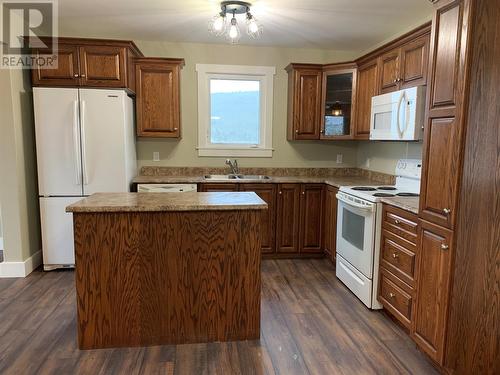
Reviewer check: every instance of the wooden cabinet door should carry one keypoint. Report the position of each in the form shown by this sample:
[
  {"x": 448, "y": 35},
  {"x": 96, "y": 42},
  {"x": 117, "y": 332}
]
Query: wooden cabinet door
[
  {"x": 287, "y": 218},
  {"x": 307, "y": 105},
  {"x": 447, "y": 56},
  {"x": 213, "y": 187},
  {"x": 102, "y": 66},
  {"x": 440, "y": 175},
  {"x": 432, "y": 292},
  {"x": 311, "y": 218},
  {"x": 330, "y": 222},
  {"x": 158, "y": 99},
  {"x": 389, "y": 65},
  {"x": 67, "y": 72},
  {"x": 268, "y": 224},
  {"x": 414, "y": 62},
  {"x": 367, "y": 86}
]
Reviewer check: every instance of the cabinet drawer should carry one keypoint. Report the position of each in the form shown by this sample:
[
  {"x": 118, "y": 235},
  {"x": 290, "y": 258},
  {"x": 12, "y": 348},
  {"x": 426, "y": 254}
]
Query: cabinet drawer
[
  {"x": 400, "y": 260},
  {"x": 401, "y": 223},
  {"x": 395, "y": 299}
]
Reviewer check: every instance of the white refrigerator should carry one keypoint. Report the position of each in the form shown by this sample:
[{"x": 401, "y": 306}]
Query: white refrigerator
[{"x": 85, "y": 144}]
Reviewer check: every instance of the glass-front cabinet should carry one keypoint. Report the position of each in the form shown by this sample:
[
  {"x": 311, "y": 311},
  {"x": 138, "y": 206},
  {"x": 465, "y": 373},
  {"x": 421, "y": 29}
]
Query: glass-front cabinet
[{"x": 339, "y": 82}]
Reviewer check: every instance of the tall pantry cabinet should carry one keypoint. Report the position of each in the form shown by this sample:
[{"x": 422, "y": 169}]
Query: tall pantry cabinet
[{"x": 452, "y": 265}]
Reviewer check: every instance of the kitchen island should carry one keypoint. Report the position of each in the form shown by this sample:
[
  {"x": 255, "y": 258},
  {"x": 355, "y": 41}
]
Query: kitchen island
[{"x": 167, "y": 268}]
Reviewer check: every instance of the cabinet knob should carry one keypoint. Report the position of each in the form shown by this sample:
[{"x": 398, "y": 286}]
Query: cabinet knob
[
  {"x": 395, "y": 255},
  {"x": 83, "y": 75},
  {"x": 395, "y": 81},
  {"x": 444, "y": 246},
  {"x": 303, "y": 193},
  {"x": 280, "y": 192},
  {"x": 175, "y": 129},
  {"x": 322, "y": 131},
  {"x": 397, "y": 221},
  {"x": 446, "y": 211},
  {"x": 76, "y": 76},
  {"x": 296, "y": 131},
  {"x": 392, "y": 295}
]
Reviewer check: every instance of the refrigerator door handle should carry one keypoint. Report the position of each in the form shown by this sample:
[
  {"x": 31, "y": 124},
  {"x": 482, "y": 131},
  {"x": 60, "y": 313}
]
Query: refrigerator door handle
[
  {"x": 84, "y": 148},
  {"x": 76, "y": 145}
]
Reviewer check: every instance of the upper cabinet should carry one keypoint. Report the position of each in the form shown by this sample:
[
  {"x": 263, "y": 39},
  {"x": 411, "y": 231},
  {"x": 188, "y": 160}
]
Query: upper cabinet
[
  {"x": 158, "y": 97},
  {"x": 367, "y": 86},
  {"x": 320, "y": 101},
  {"x": 405, "y": 66},
  {"x": 89, "y": 63},
  {"x": 443, "y": 135},
  {"x": 333, "y": 102},
  {"x": 304, "y": 101},
  {"x": 337, "y": 100}
]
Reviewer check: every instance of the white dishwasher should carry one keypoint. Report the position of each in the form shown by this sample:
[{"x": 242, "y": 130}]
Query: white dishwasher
[{"x": 166, "y": 188}]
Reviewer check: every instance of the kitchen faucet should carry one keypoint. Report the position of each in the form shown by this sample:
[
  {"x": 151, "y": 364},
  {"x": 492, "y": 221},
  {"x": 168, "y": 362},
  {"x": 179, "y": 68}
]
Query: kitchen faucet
[{"x": 233, "y": 165}]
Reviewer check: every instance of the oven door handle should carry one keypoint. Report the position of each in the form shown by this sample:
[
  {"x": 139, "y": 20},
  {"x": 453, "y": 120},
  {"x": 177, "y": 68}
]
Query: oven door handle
[{"x": 354, "y": 204}]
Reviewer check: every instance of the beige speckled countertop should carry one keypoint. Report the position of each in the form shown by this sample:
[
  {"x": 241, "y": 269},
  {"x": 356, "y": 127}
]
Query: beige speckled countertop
[
  {"x": 405, "y": 203},
  {"x": 333, "y": 181},
  {"x": 158, "y": 202}
]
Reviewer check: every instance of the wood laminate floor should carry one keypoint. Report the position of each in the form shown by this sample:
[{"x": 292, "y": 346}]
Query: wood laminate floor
[{"x": 311, "y": 324}]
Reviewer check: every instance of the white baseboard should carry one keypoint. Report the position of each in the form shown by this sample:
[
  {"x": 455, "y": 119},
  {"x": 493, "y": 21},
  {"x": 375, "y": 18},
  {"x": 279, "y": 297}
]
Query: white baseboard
[{"x": 21, "y": 269}]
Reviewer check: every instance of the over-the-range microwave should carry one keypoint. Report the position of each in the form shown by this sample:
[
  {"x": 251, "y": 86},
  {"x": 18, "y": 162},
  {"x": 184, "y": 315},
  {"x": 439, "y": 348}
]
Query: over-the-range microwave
[{"x": 398, "y": 116}]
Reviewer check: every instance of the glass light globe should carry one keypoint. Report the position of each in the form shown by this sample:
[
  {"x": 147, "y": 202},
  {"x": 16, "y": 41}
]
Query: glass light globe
[
  {"x": 254, "y": 30},
  {"x": 217, "y": 25},
  {"x": 234, "y": 31}
]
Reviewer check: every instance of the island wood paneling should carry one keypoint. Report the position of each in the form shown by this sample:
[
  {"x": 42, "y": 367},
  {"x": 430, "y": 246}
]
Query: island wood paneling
[{"x": 167, "y": 278}]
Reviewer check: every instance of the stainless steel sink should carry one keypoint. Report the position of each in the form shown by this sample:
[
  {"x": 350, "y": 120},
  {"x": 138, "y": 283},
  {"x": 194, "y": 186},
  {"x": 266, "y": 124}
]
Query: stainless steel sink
[
  {"x": 220, "y": 177},
  {"x": 225, "y": 177}
]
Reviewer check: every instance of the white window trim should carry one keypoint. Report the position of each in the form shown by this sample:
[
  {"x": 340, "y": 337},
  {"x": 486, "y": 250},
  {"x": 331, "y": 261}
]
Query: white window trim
[{"x": 264, "y": 74}]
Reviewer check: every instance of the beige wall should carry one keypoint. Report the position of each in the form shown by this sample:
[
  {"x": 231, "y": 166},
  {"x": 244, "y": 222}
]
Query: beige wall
[
  {"x": 18, "y": 190},
  {"x": 382, "y": 156},
  {"x": 286, "y": 154}
]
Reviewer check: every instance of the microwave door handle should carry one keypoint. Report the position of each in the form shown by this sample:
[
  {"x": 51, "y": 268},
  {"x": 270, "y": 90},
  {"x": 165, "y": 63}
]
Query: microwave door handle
[{"x": 401, "y": 99}]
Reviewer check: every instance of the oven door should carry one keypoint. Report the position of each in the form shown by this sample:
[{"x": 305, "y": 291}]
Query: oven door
[{"x": 356, "y": 232}]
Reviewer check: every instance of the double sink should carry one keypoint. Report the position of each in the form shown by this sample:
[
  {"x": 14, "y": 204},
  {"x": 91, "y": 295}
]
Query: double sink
[{"x": 229, "y": 177}]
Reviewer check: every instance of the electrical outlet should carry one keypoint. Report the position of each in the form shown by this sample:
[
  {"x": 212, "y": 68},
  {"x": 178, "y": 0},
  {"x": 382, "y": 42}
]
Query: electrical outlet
[
  {"x": 368, "y": 163},
  {"x": 156, "y": 156},
  {"x": 339, "y": 158}
]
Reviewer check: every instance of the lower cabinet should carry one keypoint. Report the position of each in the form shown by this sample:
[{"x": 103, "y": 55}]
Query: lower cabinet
[
  {"x": 218, "y": 187},
  {"x": 287, "y": 220},
  {"x": 311, "y": 218},
  {"x": 398, "y": 256},
  {"x": 433, "y": 288},
  {"x": 330, "y": 222},
  {"x": 294, "y": 224},
  {"x": 267, "y": 192}
]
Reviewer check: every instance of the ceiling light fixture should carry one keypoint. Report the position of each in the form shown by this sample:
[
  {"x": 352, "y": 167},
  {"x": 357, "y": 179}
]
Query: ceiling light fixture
[{"x": 219, "y": 25}]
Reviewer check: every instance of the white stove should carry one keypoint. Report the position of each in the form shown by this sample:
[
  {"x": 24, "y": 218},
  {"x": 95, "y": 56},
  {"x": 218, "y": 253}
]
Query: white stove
[
  {"x": 359, "y": 226},
  {"x": 407, "y": 183}
]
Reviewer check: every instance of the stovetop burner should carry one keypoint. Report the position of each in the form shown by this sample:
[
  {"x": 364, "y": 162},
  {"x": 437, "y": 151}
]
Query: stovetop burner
[
  {"x": 385, "y": 195},
  {"x": 407, "y": 194},
  {"x": 363, "y": 188},
  {"x": 386, "y": 188}
]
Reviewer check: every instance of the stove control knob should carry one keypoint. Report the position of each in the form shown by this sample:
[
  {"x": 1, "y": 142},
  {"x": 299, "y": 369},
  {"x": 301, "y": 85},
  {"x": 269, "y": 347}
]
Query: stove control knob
[{"x": 447, "y": 211}]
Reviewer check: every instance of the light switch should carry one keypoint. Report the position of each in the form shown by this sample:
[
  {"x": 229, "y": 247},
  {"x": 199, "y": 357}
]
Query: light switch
[
  {"x": 156, "y": 156},
  {"x": 339, "y": 158}
]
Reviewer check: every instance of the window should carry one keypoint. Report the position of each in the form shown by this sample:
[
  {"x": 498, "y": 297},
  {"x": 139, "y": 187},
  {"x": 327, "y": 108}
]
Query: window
[{"x": 235, "y": 110}]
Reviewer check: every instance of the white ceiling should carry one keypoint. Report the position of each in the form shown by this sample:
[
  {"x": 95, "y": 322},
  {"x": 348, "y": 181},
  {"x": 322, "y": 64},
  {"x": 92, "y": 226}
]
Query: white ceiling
[{"x": 332, "y": 24}]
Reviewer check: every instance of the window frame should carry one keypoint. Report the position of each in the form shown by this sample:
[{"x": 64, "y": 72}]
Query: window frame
[{"x": 263, "y": 74}]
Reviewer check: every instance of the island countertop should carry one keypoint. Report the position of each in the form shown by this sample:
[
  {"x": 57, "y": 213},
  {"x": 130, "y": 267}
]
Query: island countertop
[{"x": 160, "y": 202}]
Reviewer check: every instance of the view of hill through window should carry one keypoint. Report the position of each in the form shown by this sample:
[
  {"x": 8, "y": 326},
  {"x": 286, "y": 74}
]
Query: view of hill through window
[{"x": 234, "y": 111}]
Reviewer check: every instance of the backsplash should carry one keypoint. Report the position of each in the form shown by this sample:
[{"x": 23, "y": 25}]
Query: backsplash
[{"x": 383, "y": 178}]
